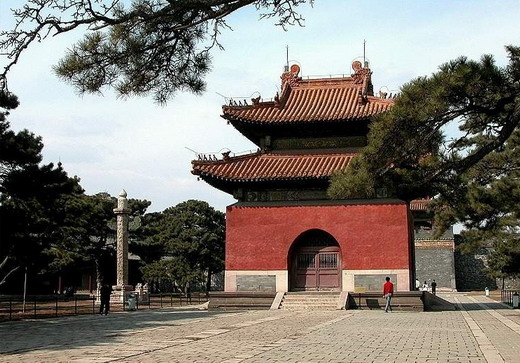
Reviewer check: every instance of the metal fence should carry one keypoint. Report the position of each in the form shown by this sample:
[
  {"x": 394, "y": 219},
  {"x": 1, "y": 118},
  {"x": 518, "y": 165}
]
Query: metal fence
[
  {"x": 44, "y": 306},
  {"x": 506, "y": 296}
]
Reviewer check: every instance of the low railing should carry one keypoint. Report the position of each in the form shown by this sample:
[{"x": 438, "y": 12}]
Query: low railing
[
  {"x": 506, "y": 296},
  {"x": 45, "y": 306}
]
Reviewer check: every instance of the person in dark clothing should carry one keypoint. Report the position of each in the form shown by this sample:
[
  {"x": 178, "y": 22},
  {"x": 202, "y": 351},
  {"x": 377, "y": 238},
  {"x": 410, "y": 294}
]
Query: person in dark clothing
[
  {"x": 104, "y": 296},
  {"x": 434, "y": 287}
]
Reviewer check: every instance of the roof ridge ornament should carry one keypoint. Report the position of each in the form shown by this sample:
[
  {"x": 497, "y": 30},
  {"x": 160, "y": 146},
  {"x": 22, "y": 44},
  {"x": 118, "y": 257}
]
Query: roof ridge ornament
[
  {"x": 360, "y": 73},
  {"x": 291, "y": 77}
]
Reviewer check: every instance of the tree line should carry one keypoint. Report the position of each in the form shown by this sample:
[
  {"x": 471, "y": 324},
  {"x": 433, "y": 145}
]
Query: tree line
[{"x": 49, "y": 224}]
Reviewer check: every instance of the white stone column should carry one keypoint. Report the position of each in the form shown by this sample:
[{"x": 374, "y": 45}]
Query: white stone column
[{"x": 122, "y": 212}]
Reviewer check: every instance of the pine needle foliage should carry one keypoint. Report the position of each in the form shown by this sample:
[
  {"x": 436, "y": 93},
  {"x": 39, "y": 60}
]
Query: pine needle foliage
[
  {"x": 138, "y": 47},
  {"x": 474, "y": 175}
]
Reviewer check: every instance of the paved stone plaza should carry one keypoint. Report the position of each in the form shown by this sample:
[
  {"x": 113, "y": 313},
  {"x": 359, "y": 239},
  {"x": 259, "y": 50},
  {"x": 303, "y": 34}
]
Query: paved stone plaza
[{"x": 482, "y": 331}]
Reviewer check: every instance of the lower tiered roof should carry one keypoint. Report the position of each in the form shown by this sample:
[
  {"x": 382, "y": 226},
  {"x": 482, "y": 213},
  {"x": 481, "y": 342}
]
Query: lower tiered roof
[{"x": 262, "y": 166}]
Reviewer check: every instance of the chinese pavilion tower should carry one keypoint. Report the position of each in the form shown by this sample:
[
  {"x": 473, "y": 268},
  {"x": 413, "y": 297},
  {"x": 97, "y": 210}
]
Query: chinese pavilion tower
[{"x": 284, "y": 233}]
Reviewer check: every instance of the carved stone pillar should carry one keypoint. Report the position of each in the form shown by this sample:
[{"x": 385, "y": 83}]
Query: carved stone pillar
[{"x": 121, "y": 289}]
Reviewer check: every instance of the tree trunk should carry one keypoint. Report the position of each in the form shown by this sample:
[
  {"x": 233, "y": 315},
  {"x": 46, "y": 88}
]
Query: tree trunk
[
  {"x": 99, "y": 274},
  {"x": 208, "y": 283},
  {"x": 4, "y": 263},
  {"x": 187, "y": 291}
]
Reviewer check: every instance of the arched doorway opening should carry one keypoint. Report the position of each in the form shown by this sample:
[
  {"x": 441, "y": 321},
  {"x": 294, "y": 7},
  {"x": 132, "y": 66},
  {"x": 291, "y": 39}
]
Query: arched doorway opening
[{"x": 315, "y": 262}]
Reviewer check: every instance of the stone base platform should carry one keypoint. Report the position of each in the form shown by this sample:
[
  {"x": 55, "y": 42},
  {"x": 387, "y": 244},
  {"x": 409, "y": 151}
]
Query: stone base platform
[
  {"x": 121, "y": 293},
  {"x": 401, "y": 301},
  {"x": 240, "y": 300}
]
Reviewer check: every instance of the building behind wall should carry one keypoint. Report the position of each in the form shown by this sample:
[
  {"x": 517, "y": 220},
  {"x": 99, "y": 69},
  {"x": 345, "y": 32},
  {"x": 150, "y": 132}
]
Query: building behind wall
[
  {"x": 434, "y": 255},
  {"x": 284, "y": 233},
  {"x": 471, "y": 270},
  {"x": 438, "y": 258}
]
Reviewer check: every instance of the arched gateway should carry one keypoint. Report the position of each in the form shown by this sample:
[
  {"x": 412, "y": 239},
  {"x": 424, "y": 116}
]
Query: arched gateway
[{"x": 315, "y": 262}]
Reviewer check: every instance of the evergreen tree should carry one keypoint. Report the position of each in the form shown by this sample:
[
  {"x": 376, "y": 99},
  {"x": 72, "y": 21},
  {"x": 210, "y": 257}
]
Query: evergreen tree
[
  {"x": 474, "y": 177},
  {"x": 188, "y": 243},
  {"x": 47, "y": 222},
  {"x": 89, "y": 231},
  {"x": 31, "y": 196}
]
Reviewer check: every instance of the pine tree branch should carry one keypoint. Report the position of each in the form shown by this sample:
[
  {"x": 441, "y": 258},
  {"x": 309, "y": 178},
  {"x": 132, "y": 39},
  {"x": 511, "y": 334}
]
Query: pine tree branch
[{"x": 175, "y": 29}]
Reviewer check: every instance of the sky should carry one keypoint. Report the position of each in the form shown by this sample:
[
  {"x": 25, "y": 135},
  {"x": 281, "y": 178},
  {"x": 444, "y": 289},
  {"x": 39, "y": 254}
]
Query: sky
[{"x": 112, "y": 143}]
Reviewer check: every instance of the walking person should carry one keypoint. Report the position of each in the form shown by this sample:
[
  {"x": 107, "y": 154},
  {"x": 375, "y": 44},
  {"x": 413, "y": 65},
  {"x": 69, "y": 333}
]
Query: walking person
[
  {"x": 434, "y": 287},
  {"x": 388, "y": 291},
  {"x": 104, "y": 297}
]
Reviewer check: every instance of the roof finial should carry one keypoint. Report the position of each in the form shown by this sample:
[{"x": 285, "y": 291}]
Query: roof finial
[
  {"x": 364, "y": 58},
  {"x": 287, "y": 58}
]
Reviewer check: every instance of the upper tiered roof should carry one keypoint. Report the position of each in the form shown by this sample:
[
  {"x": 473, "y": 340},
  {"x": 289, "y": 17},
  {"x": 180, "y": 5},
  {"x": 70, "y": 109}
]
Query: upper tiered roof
[{"x": 314, "y": 100}]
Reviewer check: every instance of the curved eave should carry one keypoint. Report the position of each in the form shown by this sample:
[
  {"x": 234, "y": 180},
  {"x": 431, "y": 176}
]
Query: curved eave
[
  {"x": 234, "y": 118},
  {"x": 207, "y": 176},
  {"x": 229, "y": 185}
]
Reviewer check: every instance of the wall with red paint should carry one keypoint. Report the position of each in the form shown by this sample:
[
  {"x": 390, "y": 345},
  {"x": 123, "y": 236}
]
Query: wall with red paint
[{"x": 371, "y": 236}]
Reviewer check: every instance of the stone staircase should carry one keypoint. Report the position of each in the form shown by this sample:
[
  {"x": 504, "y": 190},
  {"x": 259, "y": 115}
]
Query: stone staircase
[{"x": 306, "y": 300}]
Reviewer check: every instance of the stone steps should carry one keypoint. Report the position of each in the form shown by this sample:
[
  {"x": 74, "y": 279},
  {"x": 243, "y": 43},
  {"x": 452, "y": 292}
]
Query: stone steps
[{"x": 310, "y": 300}]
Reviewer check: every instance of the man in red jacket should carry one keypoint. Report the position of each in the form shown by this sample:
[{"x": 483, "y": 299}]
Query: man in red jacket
[{"x": 388, "y": 291}]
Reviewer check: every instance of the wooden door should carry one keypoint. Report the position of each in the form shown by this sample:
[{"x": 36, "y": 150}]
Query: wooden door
[
  {"x": 316, "y": 269},
  {"x": 328, "y": 270}
]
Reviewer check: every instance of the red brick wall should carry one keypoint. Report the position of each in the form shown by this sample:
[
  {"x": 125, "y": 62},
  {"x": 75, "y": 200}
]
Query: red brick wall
[{"x": 373, "y": 236}]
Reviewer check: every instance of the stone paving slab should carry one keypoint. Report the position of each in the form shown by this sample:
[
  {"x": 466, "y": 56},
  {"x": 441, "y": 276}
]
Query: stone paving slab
[
  {"x": 502, "y": 332},
  {"x": 482, "y": 331},
  {"x": 370, "y": 336}
]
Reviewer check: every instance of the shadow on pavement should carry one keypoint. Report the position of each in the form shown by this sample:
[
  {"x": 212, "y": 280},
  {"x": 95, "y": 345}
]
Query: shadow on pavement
[
  {"x": 490, "y": 306},
  {"x": 88, "y": 330}
]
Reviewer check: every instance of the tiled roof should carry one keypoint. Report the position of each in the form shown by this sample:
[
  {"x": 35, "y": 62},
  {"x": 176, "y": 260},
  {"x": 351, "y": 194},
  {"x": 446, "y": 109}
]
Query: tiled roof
[
  {"x": 314, "y": 100},
  {"x": 419, "y": 204},
  {"x": 435, "y": 245},
  {"x": 262, "y": 166},
  {"x": 422, "y": 234}
]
